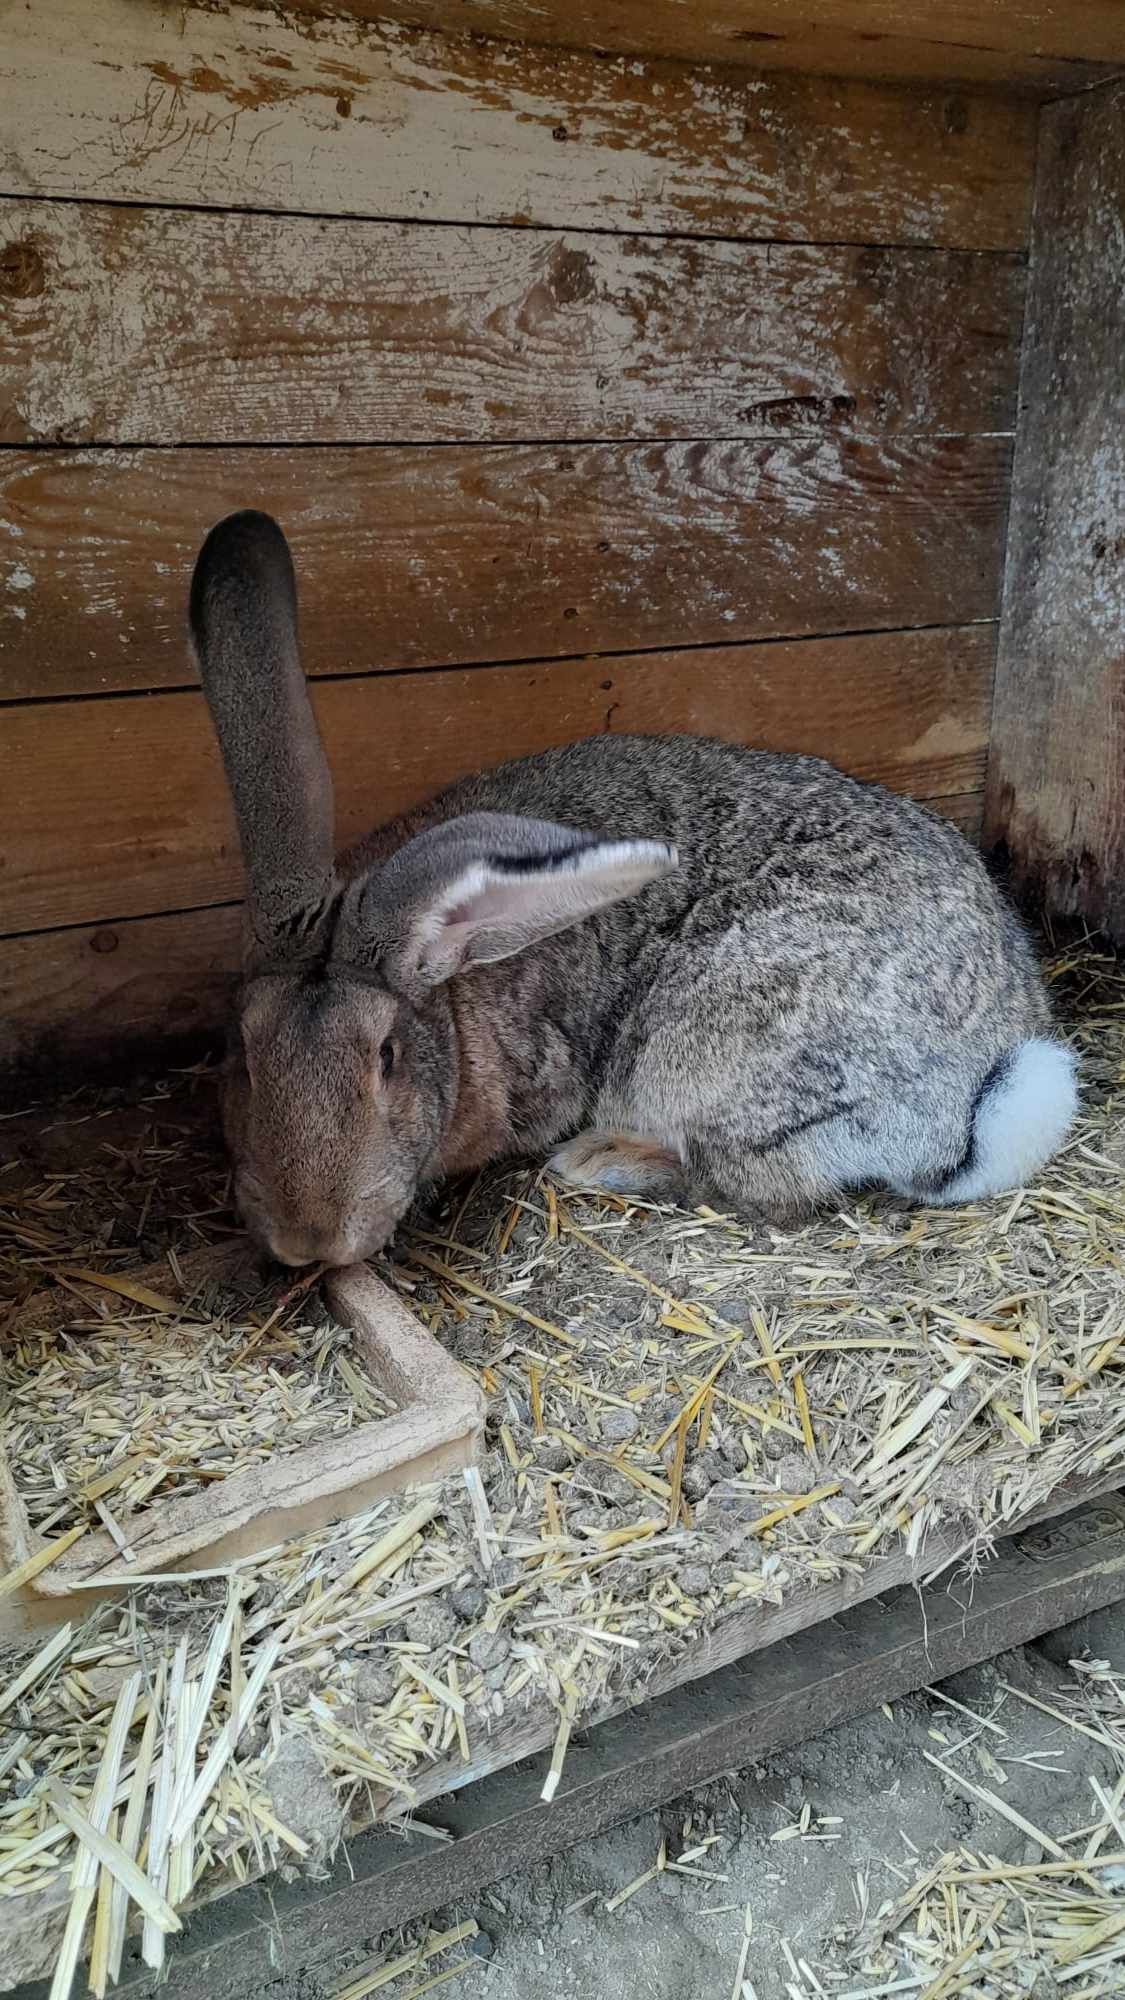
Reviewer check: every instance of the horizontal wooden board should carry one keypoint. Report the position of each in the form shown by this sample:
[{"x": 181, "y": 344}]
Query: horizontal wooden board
[
  {"x": 238, "y": 108},
  {"x": 118, "y": 808},
  {"x": 433, "y": 557},
  {"x": 127, "y": 325},
  {"x": 97, "y": 995},
  {"x": 1027, "y": 44}
]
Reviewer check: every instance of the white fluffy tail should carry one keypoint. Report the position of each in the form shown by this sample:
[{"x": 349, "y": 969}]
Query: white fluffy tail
[{"x": 1022, "y": 1116}]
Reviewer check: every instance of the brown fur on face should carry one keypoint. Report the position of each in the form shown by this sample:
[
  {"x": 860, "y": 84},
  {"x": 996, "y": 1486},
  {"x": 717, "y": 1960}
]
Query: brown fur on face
[
  {"x": 481, "y": 1127},
  {"x": 336, "y": 1098}
]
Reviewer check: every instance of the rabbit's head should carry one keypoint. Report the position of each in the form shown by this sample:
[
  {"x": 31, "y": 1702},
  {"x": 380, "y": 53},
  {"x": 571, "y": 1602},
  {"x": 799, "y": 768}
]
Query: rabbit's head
[{"x": 344, "y": 1074}]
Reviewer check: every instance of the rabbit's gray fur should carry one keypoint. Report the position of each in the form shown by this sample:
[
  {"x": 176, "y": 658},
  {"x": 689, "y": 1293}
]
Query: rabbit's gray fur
[{"x": 778, "y": 982}]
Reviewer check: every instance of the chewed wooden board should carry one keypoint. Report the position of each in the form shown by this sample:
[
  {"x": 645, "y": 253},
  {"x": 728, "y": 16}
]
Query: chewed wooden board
[{"x": 435, "y": 1428}]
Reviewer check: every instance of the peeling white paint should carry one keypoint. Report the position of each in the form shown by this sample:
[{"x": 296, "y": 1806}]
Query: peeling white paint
[{"x": 166, "y": 326}]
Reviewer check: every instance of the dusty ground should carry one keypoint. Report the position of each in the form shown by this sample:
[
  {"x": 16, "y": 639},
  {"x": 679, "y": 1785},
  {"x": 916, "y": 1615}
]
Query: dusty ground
[{"x": 877, "y": 1811}]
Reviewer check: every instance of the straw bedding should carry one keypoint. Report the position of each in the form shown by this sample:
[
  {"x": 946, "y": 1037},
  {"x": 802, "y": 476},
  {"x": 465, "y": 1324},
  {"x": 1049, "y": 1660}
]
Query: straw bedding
[{"x": 689, "y": 1415}]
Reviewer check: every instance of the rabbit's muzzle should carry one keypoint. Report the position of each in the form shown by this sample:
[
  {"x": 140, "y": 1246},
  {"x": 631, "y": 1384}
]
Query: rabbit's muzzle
[{"x": 297, "y": 1251}]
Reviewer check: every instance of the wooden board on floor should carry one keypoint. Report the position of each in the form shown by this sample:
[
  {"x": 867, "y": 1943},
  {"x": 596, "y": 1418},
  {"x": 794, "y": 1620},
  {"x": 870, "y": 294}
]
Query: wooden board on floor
[
  {"x": 1056, "y": 788},
  {"x": 761, "y": 1690},
  {"x": 433, "y": 1427},
  {"x": 461, "y": 554},
  {"x": 1024, "y": 44},
  {"x": 119, "y": 808},
  {"x": 151, "y": 326},
  {"x": 238, "y": 108}
]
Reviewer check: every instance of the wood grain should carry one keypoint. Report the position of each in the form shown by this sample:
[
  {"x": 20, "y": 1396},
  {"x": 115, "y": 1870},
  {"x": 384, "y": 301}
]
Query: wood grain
[
  {"x": 129, "y": 325},
  {"x": 118, "y": 808},
  {"x": 1027, "y": 44},
  {"x": 430, "y": 557},
  {"x": 97, "y": 1000},
  {"x": 240, "y": 108},
  {"x": 1056, "y": 790}
]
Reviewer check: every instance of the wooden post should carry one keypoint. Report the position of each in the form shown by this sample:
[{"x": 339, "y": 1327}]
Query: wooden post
[{"x": 1055, "y": 804}]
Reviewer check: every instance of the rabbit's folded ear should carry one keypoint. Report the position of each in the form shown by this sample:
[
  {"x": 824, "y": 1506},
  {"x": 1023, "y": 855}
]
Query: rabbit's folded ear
[
  {"x": 480, "y": 888},
  {"x": 244, "y": 631}
]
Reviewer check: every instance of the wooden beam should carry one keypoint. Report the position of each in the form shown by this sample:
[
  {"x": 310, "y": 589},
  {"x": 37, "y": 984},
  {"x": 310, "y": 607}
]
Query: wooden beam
[
  {"x": 462, "y": 554},
  {"x": 1056, "y": 787},
  {"x": 158, "y": 326},
  {"x": 100, "y": 1000},
  {"x": 1032, "y": 45},
  {"x": 232, "y": 107},
  {"x": 842, "y": 1667},
  {"x": 116, "y": 809}
]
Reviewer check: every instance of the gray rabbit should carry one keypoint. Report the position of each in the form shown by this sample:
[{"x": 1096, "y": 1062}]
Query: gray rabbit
[{"x": 673, "y": 964}]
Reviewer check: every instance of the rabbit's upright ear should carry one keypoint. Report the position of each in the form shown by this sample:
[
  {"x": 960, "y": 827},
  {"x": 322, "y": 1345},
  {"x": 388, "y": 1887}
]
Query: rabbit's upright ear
[
  {"x": 478, "y": 889},
  {"x": 244, "y": 631}
]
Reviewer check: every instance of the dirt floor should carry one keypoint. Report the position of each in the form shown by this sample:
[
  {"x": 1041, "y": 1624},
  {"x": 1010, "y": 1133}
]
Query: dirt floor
[{"x": 875, "y": 1814}]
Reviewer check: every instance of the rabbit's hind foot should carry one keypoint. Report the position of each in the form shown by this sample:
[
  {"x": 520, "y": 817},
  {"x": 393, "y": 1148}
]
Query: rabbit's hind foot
[{"x": 622, "y": 1164}]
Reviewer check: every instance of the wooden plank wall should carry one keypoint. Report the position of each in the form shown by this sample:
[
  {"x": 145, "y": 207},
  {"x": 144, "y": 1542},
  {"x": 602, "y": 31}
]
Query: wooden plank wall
[{"x": 594, "y": 393}]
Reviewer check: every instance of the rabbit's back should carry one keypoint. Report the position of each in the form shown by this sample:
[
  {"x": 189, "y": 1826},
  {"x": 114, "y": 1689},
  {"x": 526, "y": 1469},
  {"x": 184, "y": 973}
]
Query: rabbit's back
[
  {"x": 824, "y": 945},
  {"x": 790, "y": 865}
]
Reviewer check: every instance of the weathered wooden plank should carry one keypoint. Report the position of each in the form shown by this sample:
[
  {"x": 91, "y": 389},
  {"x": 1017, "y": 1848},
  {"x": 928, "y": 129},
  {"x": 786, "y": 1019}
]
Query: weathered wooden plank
[
  {"x": 966, "y": 811},
  {"x": 130, "y": 325},
  {"x": 97, "y": 1000},
  {"x": 118, "y": 808},
  {"x": 429, "y": 557},
  {"x": 1056, "y": 789},
  {"x": 237, "y": 107},
  {"x": 1027, "y": 44}
]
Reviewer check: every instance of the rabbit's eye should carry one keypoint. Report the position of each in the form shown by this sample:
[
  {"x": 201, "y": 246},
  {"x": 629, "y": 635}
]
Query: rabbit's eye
[{"x": 387, "y": 1058}]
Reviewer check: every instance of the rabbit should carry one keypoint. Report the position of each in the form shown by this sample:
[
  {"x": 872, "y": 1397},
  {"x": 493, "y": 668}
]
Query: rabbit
[{"x": 673, "y": 965}]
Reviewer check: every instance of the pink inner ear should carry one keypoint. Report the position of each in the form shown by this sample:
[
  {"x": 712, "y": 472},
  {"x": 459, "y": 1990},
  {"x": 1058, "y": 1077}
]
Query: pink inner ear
[{"x": 494, "y": 899}]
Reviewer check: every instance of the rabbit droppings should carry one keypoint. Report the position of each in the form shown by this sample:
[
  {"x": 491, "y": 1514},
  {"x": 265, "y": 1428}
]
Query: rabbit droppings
[{"x": 679, "y": 964}]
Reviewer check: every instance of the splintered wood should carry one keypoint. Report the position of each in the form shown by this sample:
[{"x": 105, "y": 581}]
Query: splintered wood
[{"x": 700, "y": 1428}]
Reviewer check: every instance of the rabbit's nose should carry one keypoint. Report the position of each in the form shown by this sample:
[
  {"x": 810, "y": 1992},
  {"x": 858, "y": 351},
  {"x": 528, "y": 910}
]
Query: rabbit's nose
[
  {"x": 323, "y": 1247},
  {"x": 295, "y": 1251}
]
